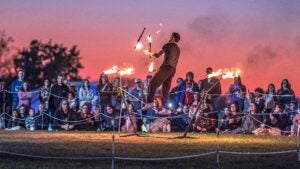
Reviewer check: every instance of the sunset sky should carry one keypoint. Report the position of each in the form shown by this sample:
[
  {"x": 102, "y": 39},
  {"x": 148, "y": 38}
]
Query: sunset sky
[{"x": 261, "y": 37}]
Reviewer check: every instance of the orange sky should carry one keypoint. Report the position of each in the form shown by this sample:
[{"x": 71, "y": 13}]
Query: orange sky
[{"x": 260, "y": 37}]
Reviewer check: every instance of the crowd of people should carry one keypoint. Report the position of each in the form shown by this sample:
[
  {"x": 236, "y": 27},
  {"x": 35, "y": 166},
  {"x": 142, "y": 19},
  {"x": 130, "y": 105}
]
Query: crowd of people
[{"x": 115, "y": 106}]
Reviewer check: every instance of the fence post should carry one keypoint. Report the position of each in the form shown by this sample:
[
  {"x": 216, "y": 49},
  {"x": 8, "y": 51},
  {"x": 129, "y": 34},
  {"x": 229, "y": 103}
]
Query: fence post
[
  {"x": 113, "y": 145},
  {"x": 218, "y": 148},
  {"x": 298, "y": 144}
]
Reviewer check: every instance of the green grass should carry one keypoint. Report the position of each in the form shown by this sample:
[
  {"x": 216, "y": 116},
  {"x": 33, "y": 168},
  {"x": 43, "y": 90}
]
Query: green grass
[{"x": 92, "y": 144}]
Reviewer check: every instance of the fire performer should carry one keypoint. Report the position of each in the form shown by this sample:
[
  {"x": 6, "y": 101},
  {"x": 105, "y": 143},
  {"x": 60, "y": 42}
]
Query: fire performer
[{"x": 167, "y": 69}]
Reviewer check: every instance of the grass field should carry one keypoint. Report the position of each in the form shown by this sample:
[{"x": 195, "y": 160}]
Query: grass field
[{"x": 95, "y": 144}]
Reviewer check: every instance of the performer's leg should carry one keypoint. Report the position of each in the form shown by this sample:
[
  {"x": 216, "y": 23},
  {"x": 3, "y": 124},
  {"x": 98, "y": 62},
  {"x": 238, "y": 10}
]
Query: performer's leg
[
  {"x": 156, "y": 81},
  {"x": 167, "y": 85}
]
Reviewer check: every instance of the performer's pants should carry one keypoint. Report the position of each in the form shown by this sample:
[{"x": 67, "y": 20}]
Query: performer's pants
[{"x": 163, "y": 76}]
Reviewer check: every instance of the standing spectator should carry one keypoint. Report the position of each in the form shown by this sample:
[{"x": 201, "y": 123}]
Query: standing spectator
[
  {"x": 286, "y": 93},
  {"x": 25, "y": 95},
  {"x": 45, "y": 93},
  {"x": 214, "y": 86},
  {"x": 104, "y": 90},
  {"x": 146, "y": 87},
  {"x": 270, "y": 98},
  {"x": 237, "y": 92},
  {"x": 59, "y": 92},
  {"x": 116, "y": 96},
  {"x": 65, "y": 117},
  {"x": 189, "y": 86},
  {"x": 135, "y": 97},
  {"x": 16, "y": 87},
  {"x": 86, "y": 94},
  {"x": 175, "y": 93},
  {"x": 259, "y": 99}
]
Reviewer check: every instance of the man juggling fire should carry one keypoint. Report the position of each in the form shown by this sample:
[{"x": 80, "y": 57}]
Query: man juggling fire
[{"x": 167, "y": 69}]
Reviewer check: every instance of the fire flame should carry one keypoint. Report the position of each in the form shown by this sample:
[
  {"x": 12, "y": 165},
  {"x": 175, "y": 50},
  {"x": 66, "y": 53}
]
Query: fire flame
[
  {"x": 112, "y": 70},
  {"x": 126, "y": 71},
  {"x": 149, "y": 39},
  {"x": 225, "y": 74},
  {"x": 214, "y": 74},
  {"x": 121, "y": 72},
  {"x": 151, "y": 67},
  {"x": 139, "y": 46},
  {"x": 231, "y": 74}
]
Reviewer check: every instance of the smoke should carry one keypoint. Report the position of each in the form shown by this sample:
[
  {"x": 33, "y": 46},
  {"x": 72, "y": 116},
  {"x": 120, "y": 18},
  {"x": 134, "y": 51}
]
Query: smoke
[
  {"x": 262, "y": 57},
  {"x": 211, "y": 27}
]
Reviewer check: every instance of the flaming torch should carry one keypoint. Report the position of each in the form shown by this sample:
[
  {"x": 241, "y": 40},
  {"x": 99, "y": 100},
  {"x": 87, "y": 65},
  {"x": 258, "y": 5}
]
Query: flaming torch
[
  {"x": 139, "y": 45},
  {"x": 151, "y": 67},
  {"x": 149, "y": 38}
]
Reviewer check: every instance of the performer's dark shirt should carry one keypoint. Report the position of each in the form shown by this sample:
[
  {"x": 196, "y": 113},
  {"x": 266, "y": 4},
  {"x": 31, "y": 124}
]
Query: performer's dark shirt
[{"x": 172, "y": 53}]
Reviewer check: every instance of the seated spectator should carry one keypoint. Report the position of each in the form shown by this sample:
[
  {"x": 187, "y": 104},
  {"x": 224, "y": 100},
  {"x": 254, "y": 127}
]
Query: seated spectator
[
  {"x": 2, "y": 122},
  {"x": 291, "y": 111},
  {"x": 162, "y": 124},
  {"x": 282, "y": 116},
  {"x": 233, "y": 120},
  {"x": 30, "y": 122},
  {"x": 65, "y": 117},
  {"x": 205, "y": 120},
  {"x": 110, "y": 122},
  {"x": 271, "y": 127},
  {"x": 42, "y": 120},
  {"x": 14, "y": 122},
  {"x": 23, "y": 112},
  {"x": 130, "y": 120},
  {"x": 73, "y": 101},
  {"x": 86, "y": 118},
  {"x": 184, "y": 120},
  {"x": 295, "y": 128},
  {"x": 97, "y": 117},
  {"x": 251, "y": 121}
]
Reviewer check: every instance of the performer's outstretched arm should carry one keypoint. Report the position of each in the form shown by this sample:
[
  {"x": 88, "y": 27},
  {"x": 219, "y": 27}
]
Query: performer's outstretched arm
[{"x": 157, "y": 55}]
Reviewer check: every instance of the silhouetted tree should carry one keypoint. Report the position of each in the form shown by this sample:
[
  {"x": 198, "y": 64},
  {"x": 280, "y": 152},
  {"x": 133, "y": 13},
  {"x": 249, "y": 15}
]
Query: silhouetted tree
[
  {"x": 6, "y": 61},
  {"x": 47, "y": 60}
]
